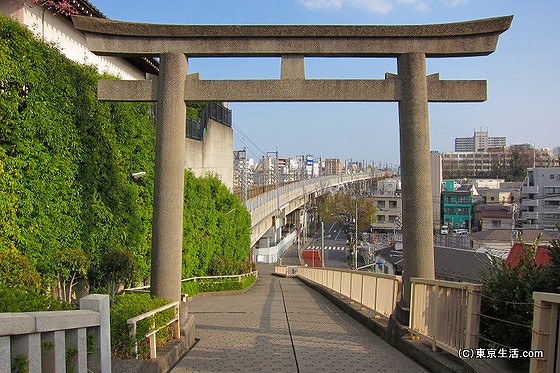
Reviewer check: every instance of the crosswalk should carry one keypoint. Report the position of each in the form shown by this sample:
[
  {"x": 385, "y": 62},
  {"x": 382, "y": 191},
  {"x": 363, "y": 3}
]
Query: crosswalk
[{"x": 334, "y": 248}]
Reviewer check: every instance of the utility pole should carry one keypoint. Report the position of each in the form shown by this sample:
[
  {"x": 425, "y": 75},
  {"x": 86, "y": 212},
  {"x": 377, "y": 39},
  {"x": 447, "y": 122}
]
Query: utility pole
[
  {"x": 277, "y": 182},
  {"x": 245, "y": 181},
  {"x": 323, "y": 244},
  {"x": 356, "y": 238}
]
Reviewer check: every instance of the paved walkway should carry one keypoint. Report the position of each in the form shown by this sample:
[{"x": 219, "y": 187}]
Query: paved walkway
[{"x": 281, "y": 325}]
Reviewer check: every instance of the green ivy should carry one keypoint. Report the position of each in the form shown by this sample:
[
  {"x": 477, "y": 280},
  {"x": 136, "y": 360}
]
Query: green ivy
[
  {"x": 66, "y": 159},
  {"x": 222, "y": 230},
  {"x": 65, "y": 173}
]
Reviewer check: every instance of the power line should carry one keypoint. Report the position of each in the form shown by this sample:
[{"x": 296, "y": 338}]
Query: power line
[{"x": 248, "y": 139}]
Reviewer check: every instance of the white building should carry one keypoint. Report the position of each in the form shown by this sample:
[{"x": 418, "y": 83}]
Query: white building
[
  {"x": 54, "y": 27},
  {"x": 479, "y": 142},
  {"x": 540, "y": 198}
]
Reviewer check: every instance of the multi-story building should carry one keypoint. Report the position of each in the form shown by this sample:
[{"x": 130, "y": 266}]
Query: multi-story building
[
  {"x": 540, "y": 198},
  {"x": 333, "y": 166},
  {"x": 436, "y": 173},
  {"x": 388, "y": 202},
  {"x": 496, "y": 216},
  {"x": 479, "y": 142},
  {"x": 457, "y": 205},
  {"x": 496, "y": 162}
]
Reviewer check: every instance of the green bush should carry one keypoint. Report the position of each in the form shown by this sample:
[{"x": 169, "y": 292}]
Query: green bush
[
  {"x": 19, "y": 300},
  {"x": 127, "y": 306},
  {"x": 507, "y": 294},
  {"x": 224, "y": 266},
  {"x": 190, "y": 288},
  {"x": 17, "y": 272},
  {"x": 65, "y": 165}
]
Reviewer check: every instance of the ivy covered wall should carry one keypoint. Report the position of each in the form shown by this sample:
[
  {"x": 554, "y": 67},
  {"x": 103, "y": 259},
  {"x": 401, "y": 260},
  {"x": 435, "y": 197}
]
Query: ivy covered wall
[{"x": 65, "y": 165}]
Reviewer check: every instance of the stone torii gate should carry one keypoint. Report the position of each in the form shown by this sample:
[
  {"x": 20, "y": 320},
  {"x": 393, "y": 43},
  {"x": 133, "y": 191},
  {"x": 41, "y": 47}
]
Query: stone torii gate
[{"x": 411, "y": 88}]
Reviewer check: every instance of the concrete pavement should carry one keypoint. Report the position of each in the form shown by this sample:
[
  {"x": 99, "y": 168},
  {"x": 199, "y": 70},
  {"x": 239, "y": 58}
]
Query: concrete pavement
[{"x": 281, "y": 325}]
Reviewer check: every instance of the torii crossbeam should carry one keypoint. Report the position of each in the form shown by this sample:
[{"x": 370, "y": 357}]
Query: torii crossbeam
[{"x": 411, "y": 88}]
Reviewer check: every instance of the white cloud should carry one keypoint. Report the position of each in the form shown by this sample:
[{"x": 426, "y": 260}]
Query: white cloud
[
  {"x": 322, "y": 4},
  {"x": 375, "y": 6},
  {"x": 379, "y": 6}
]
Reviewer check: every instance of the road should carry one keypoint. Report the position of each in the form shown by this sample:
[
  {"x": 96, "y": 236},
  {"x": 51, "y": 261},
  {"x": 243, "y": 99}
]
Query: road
[{"x": 336, "y": 250}]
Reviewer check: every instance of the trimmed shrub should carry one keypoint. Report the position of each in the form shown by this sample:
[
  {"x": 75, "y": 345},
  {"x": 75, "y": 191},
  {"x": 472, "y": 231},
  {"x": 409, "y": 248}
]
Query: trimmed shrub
[
  {"x": 224, "y": 266},
  {"x": 127, "y": 306},
  {"x": 19, "y": 300}
]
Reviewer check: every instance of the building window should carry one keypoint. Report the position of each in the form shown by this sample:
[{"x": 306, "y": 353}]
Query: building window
[
  {"x": 380, "y": 204},
  {"x": 392, "y": 204},
  {"x": 551, "y": 176},
  {"x": 381, "y": 218},
  {"x": 551, "y": 190},
  {"x": 392, "y": 218},
  {"x": 551, "y": 203},
  {"x": 496, "y": 223}
]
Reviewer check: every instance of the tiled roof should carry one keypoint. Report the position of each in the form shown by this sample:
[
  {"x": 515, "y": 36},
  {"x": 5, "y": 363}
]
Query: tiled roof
[
  {"x": 505, "y": 235},
  {"x": 450, "y": 263},
  {"x": 144, "y": 64}
]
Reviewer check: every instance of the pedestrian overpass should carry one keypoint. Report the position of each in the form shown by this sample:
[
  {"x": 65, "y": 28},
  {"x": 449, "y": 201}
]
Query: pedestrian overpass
[{"x": 286, "y": 206}]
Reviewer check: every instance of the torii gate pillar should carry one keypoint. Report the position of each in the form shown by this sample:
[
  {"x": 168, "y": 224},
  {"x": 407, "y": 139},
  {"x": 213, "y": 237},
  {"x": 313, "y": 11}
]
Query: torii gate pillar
[
  {"x": 169, "y": 178},
  {"x": 415, "y": 170}
]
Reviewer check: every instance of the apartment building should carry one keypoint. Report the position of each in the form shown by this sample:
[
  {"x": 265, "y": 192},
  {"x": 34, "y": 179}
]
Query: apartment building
[
  {"x": 479, "y": 142},
  {"x": 540, "y": 198}
]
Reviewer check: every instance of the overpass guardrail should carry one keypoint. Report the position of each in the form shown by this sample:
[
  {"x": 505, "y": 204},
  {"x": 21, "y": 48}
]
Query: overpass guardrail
[
  {"x": 378, "y": 292},
  {"x": 445, "y": 313}
]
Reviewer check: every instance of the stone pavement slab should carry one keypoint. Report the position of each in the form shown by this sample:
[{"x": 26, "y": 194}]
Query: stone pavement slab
[{"x": 281, "y": 325}]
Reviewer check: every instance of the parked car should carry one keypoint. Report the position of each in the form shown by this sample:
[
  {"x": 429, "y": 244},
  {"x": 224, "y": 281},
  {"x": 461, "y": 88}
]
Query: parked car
[
  {"x": 444, "y": 230},
  {"x": 460, "y": 232}
]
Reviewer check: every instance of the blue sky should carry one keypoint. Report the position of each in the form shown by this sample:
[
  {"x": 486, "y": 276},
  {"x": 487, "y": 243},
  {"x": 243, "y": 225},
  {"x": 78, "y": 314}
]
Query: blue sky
[{"x": 523, "y": 74}]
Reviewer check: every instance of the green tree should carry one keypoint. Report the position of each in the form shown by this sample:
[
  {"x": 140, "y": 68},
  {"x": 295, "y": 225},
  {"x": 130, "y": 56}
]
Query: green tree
[
  {"x": 71, "y": 265},
  {"x": 507, "y": 294},
  {"x": 118, "y": 268},
  {"x": 342, "y": 207}
]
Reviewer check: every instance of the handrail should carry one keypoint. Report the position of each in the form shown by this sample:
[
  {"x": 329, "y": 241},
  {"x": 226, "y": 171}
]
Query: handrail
[
  {"x": 146, "y": 287},
  {"x": 545, "y": 333},
  {"x": 25, "y": 335},
  {"x": 379, "y": 292},
  {"x": 152, "y": 333},
  {"x": 252, "y": 273},
  {"x": 445, "y": 313}
]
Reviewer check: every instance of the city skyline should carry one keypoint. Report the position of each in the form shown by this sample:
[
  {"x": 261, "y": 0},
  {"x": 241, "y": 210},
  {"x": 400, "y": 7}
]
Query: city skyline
[{"x": 520, "y": 74}]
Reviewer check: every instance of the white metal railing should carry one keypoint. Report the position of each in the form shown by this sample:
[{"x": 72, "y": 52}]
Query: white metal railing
[
  {"x": 445, "y": 313},
  {"x": 271, "y": 254},
  {"x": 545, "y": 333},
  {"x": 151, "y": 335},
  {"x": 51, "y": 341},
  {"x": 378, "y": 292},
  {"x": 239, "y": 278},
  {"x": 143, "y": 289}
]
